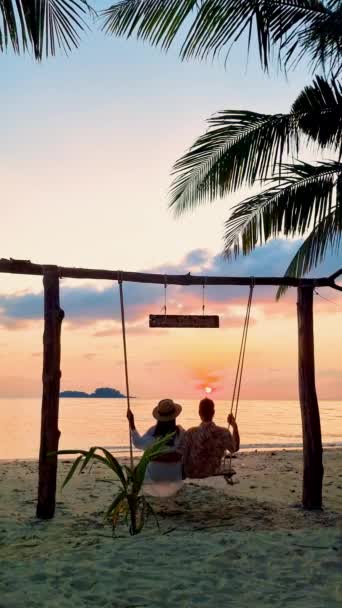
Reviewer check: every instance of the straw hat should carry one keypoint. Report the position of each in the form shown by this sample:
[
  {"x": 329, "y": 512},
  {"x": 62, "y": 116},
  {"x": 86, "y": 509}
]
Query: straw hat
[{"x": 167, "y": 410}]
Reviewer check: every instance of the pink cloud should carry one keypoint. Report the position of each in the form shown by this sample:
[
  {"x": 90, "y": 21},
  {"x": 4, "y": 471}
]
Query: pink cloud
[
  {"x": 132, "y": 330},
  {"x": 17, "y": 324}
]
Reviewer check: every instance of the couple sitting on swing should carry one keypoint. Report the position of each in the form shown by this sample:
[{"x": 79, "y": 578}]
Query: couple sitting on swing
[{"x": 195, "y": 453}]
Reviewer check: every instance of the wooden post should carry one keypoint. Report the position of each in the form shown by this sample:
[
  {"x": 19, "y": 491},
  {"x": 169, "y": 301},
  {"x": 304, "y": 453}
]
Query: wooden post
[
  {"x": 49, "y": 438},
  {"x": 312, "y": 439}
]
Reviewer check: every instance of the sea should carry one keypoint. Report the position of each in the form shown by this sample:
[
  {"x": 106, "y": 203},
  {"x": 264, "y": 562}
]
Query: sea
[{"x": 271, "y": 425}]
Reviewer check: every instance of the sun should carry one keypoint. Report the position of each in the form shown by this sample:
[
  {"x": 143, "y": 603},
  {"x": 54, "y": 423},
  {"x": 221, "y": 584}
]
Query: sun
[{"x": 208, "y": 390}]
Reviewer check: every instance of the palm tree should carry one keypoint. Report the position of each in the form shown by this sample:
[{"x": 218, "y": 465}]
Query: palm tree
[
  {"x": 40, "y": 26},
  {"x": 242, "y": 147}
]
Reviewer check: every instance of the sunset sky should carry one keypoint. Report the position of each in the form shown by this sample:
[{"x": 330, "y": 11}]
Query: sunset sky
[{"x": 88, "y": 144}]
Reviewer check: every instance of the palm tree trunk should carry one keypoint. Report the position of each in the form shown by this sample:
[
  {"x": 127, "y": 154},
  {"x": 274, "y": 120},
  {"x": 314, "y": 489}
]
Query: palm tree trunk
[{"x": 312, "y": 439}]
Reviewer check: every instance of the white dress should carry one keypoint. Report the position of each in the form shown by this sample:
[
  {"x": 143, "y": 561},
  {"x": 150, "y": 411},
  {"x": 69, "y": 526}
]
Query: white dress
[{"x": 162, "y": 478}]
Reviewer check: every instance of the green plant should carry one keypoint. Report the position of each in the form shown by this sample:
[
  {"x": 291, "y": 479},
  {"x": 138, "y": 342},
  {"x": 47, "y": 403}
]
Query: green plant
[{"x": 129, "y": 502}]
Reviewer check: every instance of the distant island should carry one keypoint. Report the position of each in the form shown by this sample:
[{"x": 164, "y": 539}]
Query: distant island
[{"x": 99, "y": 393}]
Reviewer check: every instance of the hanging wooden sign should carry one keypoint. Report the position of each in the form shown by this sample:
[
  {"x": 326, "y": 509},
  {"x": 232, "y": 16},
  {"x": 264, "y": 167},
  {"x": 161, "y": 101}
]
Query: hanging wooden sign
[{"x": 184, "y": 321}]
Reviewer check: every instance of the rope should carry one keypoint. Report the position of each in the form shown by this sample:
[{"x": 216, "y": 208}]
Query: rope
[
  {"x": 241, "y": 360},
  {"x": 126, "y": 364},
  {"x": 327, "y": 299},
  {"x": 203, "y": 296},
  {"x": 238, "y": 377},
  {"x": 165, "y": 288}
]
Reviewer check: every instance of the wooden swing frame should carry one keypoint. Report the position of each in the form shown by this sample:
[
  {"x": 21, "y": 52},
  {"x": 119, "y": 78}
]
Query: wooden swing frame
[{"x": 53, "y": 316}]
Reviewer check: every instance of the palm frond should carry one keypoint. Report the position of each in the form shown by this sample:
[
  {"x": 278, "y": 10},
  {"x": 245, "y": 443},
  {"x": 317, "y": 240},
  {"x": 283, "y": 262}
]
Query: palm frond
[
  {"x": 325, "y": 237},
  {"x": 157, "y": 21},
  {"x": 41, "y": 26},
  {"x": 290, "y": 207},
  {"x": 208, "y": 27},
  {"x": 318, "y": 109},
  {"x": 319, "y": 41},
  {"x": 240, "y": 147}
]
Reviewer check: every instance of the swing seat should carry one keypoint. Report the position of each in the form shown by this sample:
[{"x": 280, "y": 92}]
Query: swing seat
[{"x": 227, "y": 474}]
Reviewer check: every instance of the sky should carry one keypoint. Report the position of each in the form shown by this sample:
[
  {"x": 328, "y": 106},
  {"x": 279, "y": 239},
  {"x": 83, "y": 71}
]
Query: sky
[{"x": 88, "y": 145}]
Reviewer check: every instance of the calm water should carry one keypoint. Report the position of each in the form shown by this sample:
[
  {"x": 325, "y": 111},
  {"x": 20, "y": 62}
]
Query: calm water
[{"x": 87, "y": 422}]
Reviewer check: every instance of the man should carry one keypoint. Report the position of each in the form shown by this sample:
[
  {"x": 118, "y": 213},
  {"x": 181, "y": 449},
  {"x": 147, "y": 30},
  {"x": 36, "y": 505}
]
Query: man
[{"x": 204, "y": 446}]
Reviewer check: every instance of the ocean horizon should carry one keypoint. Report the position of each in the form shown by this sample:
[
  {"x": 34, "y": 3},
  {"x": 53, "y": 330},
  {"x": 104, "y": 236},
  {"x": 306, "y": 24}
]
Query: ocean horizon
[{"x": 263, "y": 424}]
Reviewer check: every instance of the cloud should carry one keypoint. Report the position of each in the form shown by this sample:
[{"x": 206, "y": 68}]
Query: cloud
[
  {"x": 196, "y": 261},
  {"x": 132, "y": 329},
  {"x": 87, "y": 304},
  {"x": 13, "y": 324},
  {"x": 105, "y": 333},
  {"x": 89, "y": 356}
]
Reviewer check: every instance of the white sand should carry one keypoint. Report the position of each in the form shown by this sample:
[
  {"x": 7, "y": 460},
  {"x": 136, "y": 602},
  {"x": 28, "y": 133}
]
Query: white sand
[{"x": 244, "y": 546}]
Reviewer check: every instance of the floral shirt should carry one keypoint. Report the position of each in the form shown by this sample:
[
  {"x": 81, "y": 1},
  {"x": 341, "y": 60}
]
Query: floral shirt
[{"x": 203, "y": 448}]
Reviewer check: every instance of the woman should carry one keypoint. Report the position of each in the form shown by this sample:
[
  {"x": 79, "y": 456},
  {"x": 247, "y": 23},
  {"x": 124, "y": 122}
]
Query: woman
[{"x": 164, "y": 475}]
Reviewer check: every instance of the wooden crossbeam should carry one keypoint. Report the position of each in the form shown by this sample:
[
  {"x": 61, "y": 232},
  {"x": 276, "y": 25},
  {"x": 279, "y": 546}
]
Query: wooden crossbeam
[{"x": 13, "y": 266}]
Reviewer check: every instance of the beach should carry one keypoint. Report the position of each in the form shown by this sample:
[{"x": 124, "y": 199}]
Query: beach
[{"x": 249, "y": 544}]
